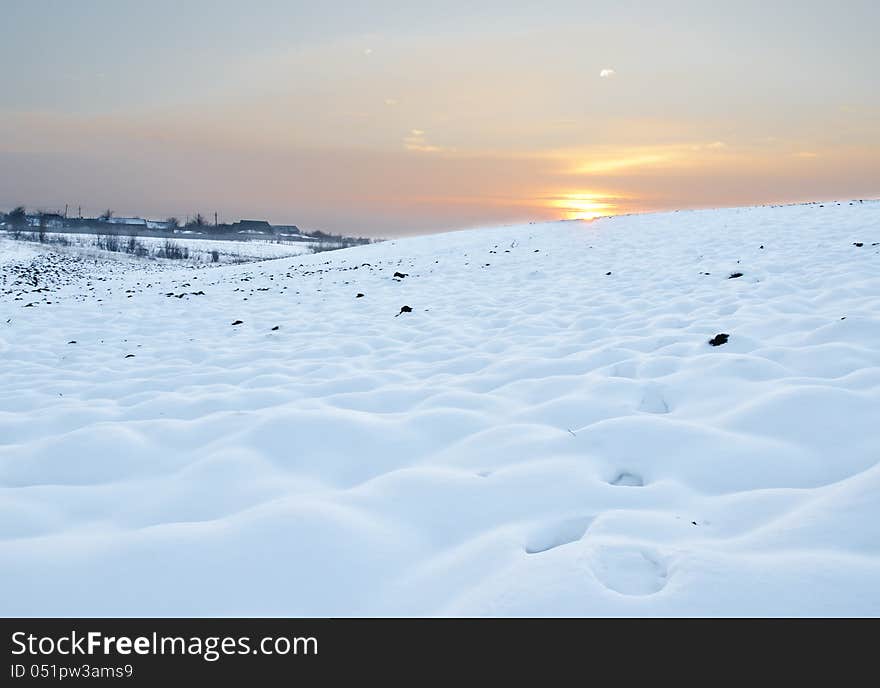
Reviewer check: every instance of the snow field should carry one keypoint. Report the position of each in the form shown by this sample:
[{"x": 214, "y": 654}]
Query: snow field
[{"x": 536, "y": 437}]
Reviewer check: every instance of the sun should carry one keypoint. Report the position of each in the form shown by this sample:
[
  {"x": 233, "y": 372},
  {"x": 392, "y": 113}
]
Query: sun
[{"x": 583, "y": 206}]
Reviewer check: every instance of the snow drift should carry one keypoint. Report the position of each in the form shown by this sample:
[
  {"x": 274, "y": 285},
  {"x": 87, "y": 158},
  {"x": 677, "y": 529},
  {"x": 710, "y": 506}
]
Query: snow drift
[{"x": 546, "y": 430}]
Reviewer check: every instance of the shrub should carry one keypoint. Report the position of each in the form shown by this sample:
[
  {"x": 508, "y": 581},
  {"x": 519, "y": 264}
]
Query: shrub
[
  {"x": 108, "y": 242},
  {"x": 174, "y": 251}
]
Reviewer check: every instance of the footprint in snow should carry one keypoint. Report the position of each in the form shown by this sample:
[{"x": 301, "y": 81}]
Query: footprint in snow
[
  {"x": 627, "y": 479},
  {"x": 554, "y": 534},
  {"x": 653, "y": 401},
  {"x": 629, "y": 570}
]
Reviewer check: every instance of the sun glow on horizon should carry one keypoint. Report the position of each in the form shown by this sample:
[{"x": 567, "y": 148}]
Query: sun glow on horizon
[{"x": 583, "y": 205}]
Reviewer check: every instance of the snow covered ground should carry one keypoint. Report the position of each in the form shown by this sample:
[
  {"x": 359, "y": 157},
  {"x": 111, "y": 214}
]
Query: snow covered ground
[
  {"x": 546, "y": 432},
  {"x": 198, "y": 250}
]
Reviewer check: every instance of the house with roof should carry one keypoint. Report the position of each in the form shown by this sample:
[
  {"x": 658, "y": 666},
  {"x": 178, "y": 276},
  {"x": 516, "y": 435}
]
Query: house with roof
[
  {"x": 252, "y": 227},
  {"x": 46, "y": 220},
  {"x": 126, "y": 222}
]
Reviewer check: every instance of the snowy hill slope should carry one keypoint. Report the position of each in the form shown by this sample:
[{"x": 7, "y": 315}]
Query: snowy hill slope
[{"x": 547, "y": 432}]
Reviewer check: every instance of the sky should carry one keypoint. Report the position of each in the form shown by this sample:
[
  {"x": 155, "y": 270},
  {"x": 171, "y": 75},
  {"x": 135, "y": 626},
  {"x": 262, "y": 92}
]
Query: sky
[{"x": 397, "y": 117}]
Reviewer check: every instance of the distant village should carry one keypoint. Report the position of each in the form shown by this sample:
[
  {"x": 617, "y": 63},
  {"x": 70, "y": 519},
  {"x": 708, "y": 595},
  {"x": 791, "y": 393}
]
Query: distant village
[
  {"x": 20, "y": 220},
  {"x": 193, "y": 227}
]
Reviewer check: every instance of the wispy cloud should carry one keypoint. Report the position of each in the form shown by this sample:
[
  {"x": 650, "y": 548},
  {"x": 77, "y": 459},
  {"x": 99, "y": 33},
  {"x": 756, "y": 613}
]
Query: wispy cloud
[
  {"x": 607, "y": 160},
  {"x": 416, "y": 141},
  {"x": 624, "y": 161}
]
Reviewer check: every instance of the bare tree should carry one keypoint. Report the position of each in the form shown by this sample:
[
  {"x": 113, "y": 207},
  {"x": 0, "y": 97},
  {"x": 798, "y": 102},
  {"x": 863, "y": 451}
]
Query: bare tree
[
  {"x": 17, "y": 218},
  {"x": 198, "y": 221}
]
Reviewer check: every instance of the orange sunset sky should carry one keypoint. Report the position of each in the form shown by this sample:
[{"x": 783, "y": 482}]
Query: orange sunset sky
[{"x": 395, "y": 118}]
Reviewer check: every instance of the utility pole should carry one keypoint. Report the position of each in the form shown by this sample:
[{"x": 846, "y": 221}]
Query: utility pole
[
  {"x": 65, "y": 211},
  {"x": 215, "y": 218},
  {"x": 80, "y": 212}
]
